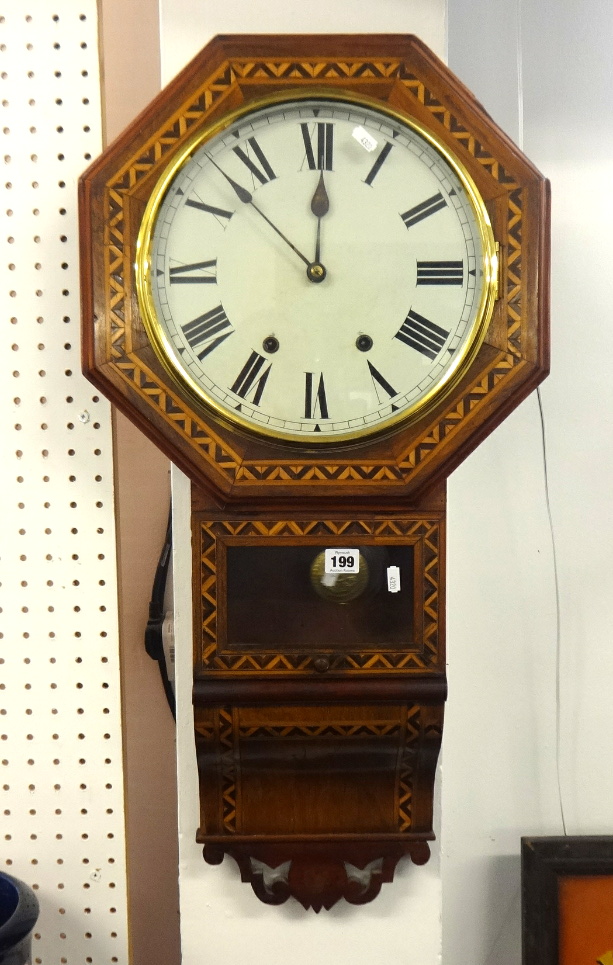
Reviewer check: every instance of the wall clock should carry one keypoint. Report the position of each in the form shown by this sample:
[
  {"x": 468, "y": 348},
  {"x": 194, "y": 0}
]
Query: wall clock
[{"x": 315, "y": 273}]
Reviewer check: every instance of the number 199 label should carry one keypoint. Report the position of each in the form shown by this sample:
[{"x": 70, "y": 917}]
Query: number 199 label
[{"x": 342, "y": 561}]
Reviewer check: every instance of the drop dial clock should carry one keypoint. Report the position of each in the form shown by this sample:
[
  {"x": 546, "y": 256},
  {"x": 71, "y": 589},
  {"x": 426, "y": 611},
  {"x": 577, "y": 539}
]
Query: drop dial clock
[
  {"x": 316, "y": 269},
  {"x": 315, "y": 273}
]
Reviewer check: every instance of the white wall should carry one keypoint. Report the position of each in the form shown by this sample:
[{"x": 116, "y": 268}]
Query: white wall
[
  {"x": 186, "y": 25},
  {"x": 499, "y": 757}
]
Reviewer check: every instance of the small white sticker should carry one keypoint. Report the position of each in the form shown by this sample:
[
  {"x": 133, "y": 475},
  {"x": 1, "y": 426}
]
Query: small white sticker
[
  {"x": 393, "y": 579},
  {"x": 364, "y": 138},
  {"x": 342, "y": 561}
]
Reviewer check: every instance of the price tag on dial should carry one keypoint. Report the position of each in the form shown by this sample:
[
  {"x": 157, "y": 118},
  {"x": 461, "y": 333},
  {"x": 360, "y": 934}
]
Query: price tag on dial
[
  {"x": 342, "y": 561},
  {"x": 364, "y": 138}
]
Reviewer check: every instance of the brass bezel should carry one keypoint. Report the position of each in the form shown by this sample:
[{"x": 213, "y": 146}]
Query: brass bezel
[{"x": 233, "y": 420}]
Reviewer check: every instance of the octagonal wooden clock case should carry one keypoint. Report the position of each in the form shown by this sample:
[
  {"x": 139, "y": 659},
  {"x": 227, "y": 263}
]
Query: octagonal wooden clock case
[{"x": 315, "y": 273}]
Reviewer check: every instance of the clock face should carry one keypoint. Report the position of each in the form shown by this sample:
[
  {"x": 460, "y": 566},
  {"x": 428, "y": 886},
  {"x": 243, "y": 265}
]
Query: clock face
[{"x": 317, "y": 270}]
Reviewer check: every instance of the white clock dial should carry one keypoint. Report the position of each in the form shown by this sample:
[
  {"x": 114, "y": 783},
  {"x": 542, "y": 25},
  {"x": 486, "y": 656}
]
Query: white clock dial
[{"x": 317, "y": 271}]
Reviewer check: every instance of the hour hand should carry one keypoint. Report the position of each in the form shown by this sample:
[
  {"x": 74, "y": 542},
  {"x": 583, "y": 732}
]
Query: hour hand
[
  {"x": 320, "y": 205},
  {"x": 320, "y": 202}
]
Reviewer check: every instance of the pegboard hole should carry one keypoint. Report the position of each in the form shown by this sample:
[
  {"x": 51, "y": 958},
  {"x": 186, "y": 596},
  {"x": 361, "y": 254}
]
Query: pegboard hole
[{"x": 28, "y": 279}]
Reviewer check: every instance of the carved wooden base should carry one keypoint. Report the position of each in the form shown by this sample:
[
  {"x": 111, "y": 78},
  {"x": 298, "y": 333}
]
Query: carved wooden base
[
  {"x": 318, "y": 874},
  {"x": 318, "y": 724},
  {"x": 317, "y": 803}
]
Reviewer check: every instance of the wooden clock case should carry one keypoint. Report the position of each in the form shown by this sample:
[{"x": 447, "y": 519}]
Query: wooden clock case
[{"x": 316, "y": 752}]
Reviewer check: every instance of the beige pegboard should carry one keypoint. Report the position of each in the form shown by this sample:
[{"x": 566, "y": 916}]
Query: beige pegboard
[{"x": 60, "y": 728}]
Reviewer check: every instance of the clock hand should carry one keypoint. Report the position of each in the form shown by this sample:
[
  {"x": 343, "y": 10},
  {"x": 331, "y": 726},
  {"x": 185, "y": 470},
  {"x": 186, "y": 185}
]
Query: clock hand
[
  {"x": 247, "y": 198},
  {"x": 320, "y": 205}
]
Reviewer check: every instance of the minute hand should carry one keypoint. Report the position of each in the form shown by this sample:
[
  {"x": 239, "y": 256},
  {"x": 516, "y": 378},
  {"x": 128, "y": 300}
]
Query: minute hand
[{"x": 247, "y": 198}]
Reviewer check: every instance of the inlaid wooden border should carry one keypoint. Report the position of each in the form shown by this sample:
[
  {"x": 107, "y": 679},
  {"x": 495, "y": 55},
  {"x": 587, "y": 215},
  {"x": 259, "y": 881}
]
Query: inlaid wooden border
[
  {"x": 515, "y": 360},
  {"x": 424, "y": 653}
]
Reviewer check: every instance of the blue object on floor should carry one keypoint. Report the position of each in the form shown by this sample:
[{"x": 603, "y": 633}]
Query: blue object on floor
[{"x": 18, "y": 914}]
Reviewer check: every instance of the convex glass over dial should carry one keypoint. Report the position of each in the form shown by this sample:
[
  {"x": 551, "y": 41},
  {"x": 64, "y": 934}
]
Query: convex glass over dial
[{"x": 317, "y": 270}]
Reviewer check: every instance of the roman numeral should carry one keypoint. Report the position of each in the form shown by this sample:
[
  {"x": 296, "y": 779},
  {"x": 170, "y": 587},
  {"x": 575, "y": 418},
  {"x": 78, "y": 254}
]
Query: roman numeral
[
  {"x": 250, "y": 379},
  {"x": 379, "y": 379},
  {"x": 319, "y": 156},
  {"x": 383, "y": 153},
  {"x": 209, "y": 330},
  {"x": 421, "y": 334},
  {"x": 315, "y": 399},
  {"x": 209, "y": 208},
  {"x": 180, "y": 274},
  {"x": 440, "y": 272},
  {"x": 265, "y": 173},
  {"x": 423, "y": 210}
]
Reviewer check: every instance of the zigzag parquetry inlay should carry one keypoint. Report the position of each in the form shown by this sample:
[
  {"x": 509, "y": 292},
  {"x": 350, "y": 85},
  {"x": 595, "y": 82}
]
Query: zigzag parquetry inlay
[
  {"x": 229, "y": 768},
  {"x": 205, "y": 729},
  {"x": 464, "y": 137},
  {"x": 412, "y": 733},
  {"x": 422, "y": 531},
  {"x": 196, "y": 433},
  {"x": 454, "y": 418},
  {"x": 328, "y": 730},
  {"x": 514, "y": 272},
  {"x": 319, "y": 69},
  {"x": 249, "y": 472},
  {"x": 168, "y": 404}
]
